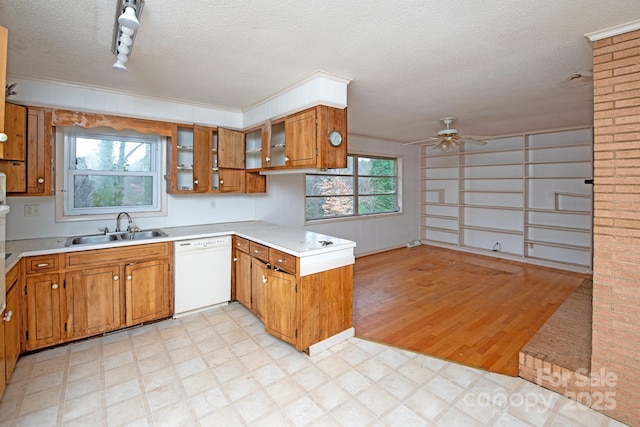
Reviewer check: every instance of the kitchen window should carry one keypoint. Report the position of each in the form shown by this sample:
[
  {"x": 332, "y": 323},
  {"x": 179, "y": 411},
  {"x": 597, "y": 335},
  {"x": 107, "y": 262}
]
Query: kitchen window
[
  {"x": 107, "y": 172},
  {"x": 367, "y": 186}
]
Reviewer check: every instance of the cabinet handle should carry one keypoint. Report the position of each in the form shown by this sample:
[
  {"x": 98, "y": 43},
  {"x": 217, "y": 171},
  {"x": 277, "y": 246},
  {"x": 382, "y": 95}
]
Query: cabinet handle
[
  {"x": 264, "y": 279},
  {"x": 42, "y": 264},
  {"x": 221, "y": 181},
  {"x": 54, "y": 286},
  {"x": 116, "y": 277},
  {"x": 7, "y": 316},
  {"x": 40, "y": 180},
  {"x": 281, "y": 261},
  {"x": 286, "y": 159},
  {"x": 3, "y": 137},
  {"x": 235, "y": 259},
  {"x": 268, "y": 159},
  {"x": 195, "y": 181},
  {"x": 129, "y": 277},
  {"x": 256, "y": 251}
]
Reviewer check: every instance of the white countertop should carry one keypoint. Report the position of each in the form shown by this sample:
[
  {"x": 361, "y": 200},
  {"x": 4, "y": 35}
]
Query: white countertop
[{"x": 294, "y": 241}]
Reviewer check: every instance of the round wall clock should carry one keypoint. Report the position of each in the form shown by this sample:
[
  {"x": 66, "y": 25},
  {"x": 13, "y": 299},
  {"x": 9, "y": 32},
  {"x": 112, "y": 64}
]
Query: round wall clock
[{"x": 335, "y": 138}]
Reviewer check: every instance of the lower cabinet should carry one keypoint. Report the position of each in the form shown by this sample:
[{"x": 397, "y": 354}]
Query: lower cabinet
[
  {"x": 96, "y": 291},
  {"x": 301, "y": 310},
  {"x": 92, "y": 301},
  {"x": 149, "y": 291},
  {"x": 43, "y": 311}
]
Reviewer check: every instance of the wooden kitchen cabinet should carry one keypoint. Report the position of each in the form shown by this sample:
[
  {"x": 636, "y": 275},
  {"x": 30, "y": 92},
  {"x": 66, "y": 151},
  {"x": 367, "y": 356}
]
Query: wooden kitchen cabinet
[
  {"x": 259, "y": 271},
  {"x": 28, "y": 154},
  {"x": 12, "y": 326},
  {"x": 15, "y": 126},
  {"x": 280, "y": 306},
  {"x": 208, "y": 160},
  {"x": 83, "y": 293},
  {"x": 301, "y": 310},
  {"x": 300, "y": 141},
  {"x": 92, "y": 301},
  {"x": 242, "y": 269},
  {"x": 3, "y": 363},
  {"x": 149, "y": 291},
  {"x": 45, "y": 324}
]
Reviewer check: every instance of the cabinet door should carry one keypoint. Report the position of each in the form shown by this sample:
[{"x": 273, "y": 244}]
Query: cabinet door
[
  {"x": 15, "y": 126},
  {"x": 39, "y": 152},
  {"x": 149, "y": 293},
  {"x": 258, "y": 281},
  {"x": 243, "y": 277},
  {"x": 12, "y": 326},
  {"x": 202, "y": 157},
  {"x": 231, "y": 180},
  {"x": 300, "y": 139},
  {"x": 230, "y": 149},
  {"x": 93, "y": 301},
  {"x": 44, "y": 326},
  {"x": 280, "y": 306},
  {"x": 16, "y": 173}
]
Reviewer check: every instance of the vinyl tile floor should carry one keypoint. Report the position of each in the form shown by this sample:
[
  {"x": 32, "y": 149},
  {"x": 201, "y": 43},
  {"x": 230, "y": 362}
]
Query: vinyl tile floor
[{"x": 219, "y": 368}]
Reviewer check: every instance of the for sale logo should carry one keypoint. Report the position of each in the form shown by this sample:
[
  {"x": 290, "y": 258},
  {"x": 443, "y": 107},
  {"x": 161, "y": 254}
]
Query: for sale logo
[{"x": 582, "y": 379}]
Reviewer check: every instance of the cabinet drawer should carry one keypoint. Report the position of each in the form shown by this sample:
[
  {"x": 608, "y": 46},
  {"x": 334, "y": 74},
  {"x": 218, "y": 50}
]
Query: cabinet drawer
[
  {"x": 41, "y": 264},
  {"x": 241, "y": 243},
  {"x": 259, "y": 251},
  {"x": 282, "y": 261}
]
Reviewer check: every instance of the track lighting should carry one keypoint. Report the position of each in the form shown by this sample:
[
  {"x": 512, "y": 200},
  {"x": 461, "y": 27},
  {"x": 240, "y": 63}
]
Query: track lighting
[{"x": 127, "y": 22}]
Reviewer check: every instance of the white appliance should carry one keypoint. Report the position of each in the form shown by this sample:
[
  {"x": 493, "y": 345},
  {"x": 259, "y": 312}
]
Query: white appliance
[
  {"x": 202, "y": 274},
  {"x": 4, "y": 210}
]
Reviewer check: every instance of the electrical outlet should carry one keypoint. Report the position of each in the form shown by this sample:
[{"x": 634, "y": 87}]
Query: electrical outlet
[
  {"x": 31, "y": 210},
  {"x": 213, "y": 203}
]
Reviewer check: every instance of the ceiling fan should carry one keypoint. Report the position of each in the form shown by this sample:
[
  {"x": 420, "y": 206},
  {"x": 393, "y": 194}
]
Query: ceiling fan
[{"x": 448, "y": 139}]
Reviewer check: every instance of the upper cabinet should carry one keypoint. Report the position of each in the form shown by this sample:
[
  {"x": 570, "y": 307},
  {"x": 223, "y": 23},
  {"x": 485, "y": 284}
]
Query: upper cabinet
[
  {"x": 26, "y": 156},
  {"x": 210, "y": 160},
  {"x": 313, "y": 138}
]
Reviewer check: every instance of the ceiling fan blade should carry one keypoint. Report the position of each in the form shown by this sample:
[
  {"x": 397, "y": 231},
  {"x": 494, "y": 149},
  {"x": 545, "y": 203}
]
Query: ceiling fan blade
[{"x": 431, "y": 138}]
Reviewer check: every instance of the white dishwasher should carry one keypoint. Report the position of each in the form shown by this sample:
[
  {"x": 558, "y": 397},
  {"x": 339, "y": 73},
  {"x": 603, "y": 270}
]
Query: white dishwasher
[{"x": 202, "y": 274}]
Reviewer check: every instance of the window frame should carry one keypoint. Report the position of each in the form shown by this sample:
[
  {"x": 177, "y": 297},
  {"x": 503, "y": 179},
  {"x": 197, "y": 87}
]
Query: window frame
[
  {"x": 65, "y": 144},
  {"x": 398, "y": 189}
]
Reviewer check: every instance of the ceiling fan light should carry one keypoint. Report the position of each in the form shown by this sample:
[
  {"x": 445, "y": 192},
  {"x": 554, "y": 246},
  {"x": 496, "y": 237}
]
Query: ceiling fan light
[{"x": 128, "y": 18}]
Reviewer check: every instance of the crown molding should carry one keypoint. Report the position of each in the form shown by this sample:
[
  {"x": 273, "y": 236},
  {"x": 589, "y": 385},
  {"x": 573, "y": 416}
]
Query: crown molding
[{"x": 613, "y": 31}]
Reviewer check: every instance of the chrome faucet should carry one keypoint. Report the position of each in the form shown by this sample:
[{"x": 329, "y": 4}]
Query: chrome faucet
[{"x": 118, "y": 221}]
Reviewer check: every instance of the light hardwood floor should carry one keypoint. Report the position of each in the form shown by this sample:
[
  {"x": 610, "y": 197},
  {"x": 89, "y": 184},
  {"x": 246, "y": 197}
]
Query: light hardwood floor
[{"x": 475, "y": 310}]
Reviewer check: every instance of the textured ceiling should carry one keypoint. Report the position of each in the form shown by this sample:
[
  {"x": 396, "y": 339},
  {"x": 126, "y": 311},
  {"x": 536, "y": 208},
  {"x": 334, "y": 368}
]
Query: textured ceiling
[{"x": 500, "y": 66}]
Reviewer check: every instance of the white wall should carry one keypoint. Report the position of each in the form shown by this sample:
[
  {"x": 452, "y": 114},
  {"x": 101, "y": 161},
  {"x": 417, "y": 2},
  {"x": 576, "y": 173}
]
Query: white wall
[{"x": 284, "y": 203}]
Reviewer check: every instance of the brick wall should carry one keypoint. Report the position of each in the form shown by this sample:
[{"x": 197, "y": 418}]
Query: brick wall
[{"x": 615, "y": 360}]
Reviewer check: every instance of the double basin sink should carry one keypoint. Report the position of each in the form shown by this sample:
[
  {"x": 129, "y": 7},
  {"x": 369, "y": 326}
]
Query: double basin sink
[{"x": 93, "y": 239}]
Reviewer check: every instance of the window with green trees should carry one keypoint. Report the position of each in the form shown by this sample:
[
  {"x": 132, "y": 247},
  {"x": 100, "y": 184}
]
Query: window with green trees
[
  {"x": 368, "y": 185},
  {"x": 108, "y": 172}
]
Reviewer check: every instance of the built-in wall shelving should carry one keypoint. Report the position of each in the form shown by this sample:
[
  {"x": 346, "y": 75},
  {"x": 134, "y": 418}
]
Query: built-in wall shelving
[{"x": 522, "y": 196}]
